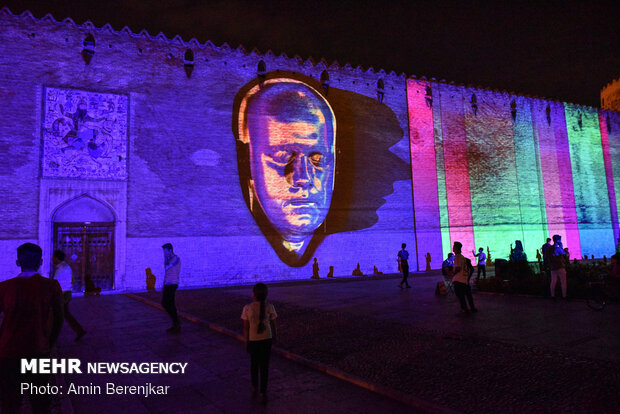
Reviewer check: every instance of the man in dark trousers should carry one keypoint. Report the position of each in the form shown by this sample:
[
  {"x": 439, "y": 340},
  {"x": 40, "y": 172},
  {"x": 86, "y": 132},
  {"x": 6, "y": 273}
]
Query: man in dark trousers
[
  {"x": 33, "y": 315},
  {"x": 64, "y": 275},
  {"x": 460, "y": 279},
  {"x": 482, "y": 262},
  {"x": 403, "y": 260},
  {"x": 172, "y": 264}
]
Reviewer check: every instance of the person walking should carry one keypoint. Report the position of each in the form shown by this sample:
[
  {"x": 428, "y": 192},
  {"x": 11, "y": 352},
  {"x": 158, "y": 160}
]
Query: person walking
[
  {"x": 32, "y": 306},
  {"x": 460, "y": 279},
  {"x": 259, "y": 332},
  {"x": 558, "y": 259},
  {"x": 403, "y": 261},
  {"x": 482, "y": 262},
  {"x": 172, "y": 264},
  {"x": 64, "y": 275}
]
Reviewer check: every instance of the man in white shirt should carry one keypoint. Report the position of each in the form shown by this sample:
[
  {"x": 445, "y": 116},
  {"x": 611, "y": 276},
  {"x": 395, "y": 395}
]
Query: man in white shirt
[
  {"x": 64, "y": 275},
  {"x": 172, "y": 264},
  {"x": 460, "y": 279}
]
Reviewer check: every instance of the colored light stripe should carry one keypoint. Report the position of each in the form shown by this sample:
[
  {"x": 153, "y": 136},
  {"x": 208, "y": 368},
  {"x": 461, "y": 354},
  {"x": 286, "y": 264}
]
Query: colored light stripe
[
  {"x": 423, "y": 167},
  {"x": 528, "y": 106},
  {"x": 531, "y": 196},
  {"x": 441, "y": 173},
  {"x": 613, "y": 118},
  {"x": 497, "y": 217},
  {"x": 589, "y": 181},
  {"x": 549, "y": 165},
  {"x": 609, "y": 174},
  {"x": 456, "y": 168},
  {"x": 571, "y": 237}
]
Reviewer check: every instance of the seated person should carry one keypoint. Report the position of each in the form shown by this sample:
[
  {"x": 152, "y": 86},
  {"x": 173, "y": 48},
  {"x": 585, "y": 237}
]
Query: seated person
[{"x": 448, "y": 265}]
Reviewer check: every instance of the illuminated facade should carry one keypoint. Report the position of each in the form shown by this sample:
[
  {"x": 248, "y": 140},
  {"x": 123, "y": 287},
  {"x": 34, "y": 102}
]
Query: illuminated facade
[{"x": 114, "y": 143}]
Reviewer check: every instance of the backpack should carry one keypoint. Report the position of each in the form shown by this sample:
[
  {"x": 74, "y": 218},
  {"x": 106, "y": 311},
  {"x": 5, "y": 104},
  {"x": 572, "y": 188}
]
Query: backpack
[{"x": 440, "y": 290}]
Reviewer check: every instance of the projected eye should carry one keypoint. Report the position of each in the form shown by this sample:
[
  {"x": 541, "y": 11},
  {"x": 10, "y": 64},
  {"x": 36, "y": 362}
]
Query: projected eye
[
  {"x": 282, "y": 157},
  {"x": 316, "y": 159}
]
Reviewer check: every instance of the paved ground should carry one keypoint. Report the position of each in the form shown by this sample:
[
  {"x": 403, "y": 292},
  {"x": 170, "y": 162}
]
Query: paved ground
[
  {"x": 121, "y": 329},
  {"x": 532, "y": 321},
  {"x": 217, "y": 381}
]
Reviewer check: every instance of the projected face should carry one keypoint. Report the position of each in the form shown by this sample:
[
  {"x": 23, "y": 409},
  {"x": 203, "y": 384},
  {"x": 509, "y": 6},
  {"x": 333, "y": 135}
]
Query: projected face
[{"x": 290, "y": 130}]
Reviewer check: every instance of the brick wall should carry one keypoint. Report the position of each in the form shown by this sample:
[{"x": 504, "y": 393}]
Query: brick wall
[{"x": 183, "y": 183}]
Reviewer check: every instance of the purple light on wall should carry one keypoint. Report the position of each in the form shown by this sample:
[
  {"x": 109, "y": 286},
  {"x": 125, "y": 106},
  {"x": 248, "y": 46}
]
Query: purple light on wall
[
  {"x": 549, "y": 168},
  {"x": 571, "y": 238}
]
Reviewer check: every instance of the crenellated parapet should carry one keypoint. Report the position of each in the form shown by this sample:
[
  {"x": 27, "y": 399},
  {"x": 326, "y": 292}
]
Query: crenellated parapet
[{"x": 610, "y": 96}]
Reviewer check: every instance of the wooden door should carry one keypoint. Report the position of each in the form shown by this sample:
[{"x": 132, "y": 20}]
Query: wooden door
[{"x": 89, "y": 250}]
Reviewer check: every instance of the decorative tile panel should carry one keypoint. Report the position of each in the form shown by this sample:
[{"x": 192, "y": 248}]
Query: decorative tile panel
[{"x": 84, "y": 134}]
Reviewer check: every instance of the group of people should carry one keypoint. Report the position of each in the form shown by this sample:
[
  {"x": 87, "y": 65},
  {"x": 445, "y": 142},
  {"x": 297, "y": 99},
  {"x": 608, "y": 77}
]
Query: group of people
[
  {"x": 458, "y": 267},
  {"x": 34, "y": 308}
]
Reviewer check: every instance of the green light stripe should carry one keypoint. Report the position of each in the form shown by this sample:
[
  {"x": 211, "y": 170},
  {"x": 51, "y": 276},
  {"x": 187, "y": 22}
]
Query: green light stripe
[
  {"x": 531, "y": 193},
  {"x": 492, "y": 174},
  {"x": 589, "y": 181},
  {"x": 441, "y": 174}
]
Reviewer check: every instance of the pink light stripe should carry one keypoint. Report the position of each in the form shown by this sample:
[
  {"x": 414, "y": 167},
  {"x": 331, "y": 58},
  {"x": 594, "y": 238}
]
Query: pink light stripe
[
  {"x": 571, "y": 239},
  {"x": 423, "y": 168},
  {"x": 457, "y": 169},
  {"x": 609, "y": 173}
]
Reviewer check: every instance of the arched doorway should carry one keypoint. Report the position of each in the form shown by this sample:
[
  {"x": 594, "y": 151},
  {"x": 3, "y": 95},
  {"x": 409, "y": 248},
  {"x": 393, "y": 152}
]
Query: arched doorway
[{"x": 83, "y": 229}]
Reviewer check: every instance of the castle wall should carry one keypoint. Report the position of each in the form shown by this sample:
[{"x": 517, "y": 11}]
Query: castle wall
[
  {"x": 159, "y": 149},
  {"x": 182, "y": 179},
  {"x": 512, "y": 168}
]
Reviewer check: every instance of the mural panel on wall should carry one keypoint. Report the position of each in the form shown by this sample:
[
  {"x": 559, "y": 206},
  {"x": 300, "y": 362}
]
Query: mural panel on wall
[
  {"x": 84, "y": 134},
  {"x": 302, "y": 176}
]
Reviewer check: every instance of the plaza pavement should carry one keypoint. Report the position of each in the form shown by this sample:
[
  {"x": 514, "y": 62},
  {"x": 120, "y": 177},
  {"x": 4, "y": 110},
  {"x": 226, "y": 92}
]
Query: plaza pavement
[
  {"x": 121, "y": 328},
  {"x": 217, "y": 378}
]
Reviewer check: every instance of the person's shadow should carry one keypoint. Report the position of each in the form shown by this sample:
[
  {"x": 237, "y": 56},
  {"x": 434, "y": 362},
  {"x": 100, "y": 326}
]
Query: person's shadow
[{"x": 365, "y": 167}]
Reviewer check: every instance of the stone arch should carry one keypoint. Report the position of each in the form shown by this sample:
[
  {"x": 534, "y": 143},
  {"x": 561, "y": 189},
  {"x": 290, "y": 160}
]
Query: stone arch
[
  {"x": 83, "y": 228},
  {"x": 82, "y": 209}
]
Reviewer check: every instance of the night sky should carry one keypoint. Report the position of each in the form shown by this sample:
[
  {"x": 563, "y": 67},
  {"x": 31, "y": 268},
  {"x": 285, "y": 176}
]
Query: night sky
[{"x": 564, "y": 50}]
